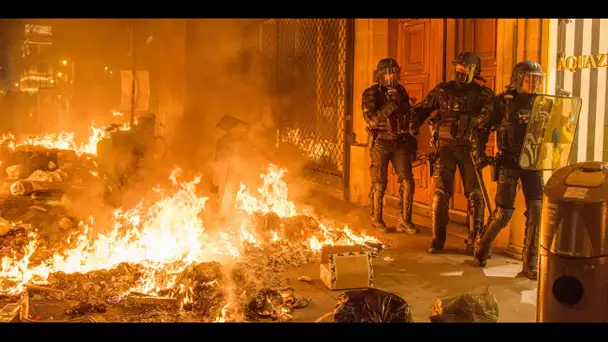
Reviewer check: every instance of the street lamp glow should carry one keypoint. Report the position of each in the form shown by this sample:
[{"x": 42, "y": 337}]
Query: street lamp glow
[
  {"x": 16, "y": 84},
  {"x": 59, "y": 74},
  {"x": 64, "y": 62},
  {"x": 52, "y": 81},
  {"x": 106, "y": 68},
  {"x": 110, "y": 72}
]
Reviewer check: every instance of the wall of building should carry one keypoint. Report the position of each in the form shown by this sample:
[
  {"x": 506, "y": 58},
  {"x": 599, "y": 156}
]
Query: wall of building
[
  {"x": 583, "y": 78},
  {"x": 371, "y": 45}
]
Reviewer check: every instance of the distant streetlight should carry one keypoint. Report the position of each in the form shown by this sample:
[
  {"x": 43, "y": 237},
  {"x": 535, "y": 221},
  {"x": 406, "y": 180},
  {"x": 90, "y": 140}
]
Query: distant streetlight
[
  {"x": 52, "y": 81},
  {"x": 59, "y": 74},
  {"x": 16, "y": 84},
  {"x": 106, "y": 68},
  {"x": 110, "y": 72},
  {"x": 64, "y": 62}
]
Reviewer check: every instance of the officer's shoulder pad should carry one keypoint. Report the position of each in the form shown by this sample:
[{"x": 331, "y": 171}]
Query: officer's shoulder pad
[
  {"x": 440, "y": 88},
  {"x": 373, "y": 90},
  {"x": 487, "y": 91},
  {"x": 442, "y": 85}
]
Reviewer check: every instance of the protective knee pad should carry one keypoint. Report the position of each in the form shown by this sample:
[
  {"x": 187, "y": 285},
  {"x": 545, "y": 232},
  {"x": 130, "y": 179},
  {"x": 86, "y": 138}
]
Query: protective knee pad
[
  {"x": 502, "y": 216},
  {"x": 379, "y": 187},
  {"x": 534, "y": 210},
  {"x": 440, "y": 208},
  {"x": 475, "y": 198}
]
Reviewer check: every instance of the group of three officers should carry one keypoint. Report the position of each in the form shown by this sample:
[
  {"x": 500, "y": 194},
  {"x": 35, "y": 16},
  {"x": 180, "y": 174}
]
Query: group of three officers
[{"x": 461, "y": 114}]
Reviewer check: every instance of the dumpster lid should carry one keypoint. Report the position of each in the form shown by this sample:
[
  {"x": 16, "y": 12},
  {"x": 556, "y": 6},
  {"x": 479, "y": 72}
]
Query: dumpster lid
[
  {"x": 585, "y": 182},
  {"x": 588, "y": 175}
]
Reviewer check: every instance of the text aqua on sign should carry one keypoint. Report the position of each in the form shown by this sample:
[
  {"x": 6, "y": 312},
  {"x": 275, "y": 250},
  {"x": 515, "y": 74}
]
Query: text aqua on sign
[{"x": 572, "y": 63}]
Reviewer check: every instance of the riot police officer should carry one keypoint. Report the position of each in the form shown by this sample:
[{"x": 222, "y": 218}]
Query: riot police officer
[
  {"x": 509, "y": 118},
  {"x": 452, "y": 108},
  {"x": 386, "y": 110}
]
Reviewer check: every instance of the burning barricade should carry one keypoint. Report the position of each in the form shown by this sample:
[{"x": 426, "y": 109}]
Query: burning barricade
[{"x": 157, "y": 261}]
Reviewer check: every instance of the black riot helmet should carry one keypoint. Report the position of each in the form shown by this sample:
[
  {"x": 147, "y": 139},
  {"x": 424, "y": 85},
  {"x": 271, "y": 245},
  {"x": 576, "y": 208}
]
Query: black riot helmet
[
  {"x": 466, "y": 67},
  {"x": 387, "y": 72},
  {"x": 528, "y": 78}
]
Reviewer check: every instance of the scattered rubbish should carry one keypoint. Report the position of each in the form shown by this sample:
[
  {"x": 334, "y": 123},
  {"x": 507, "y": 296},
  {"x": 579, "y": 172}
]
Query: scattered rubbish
[
  {"x": 83, "y": 308},
  {"x": 302, "y": 303},
  {"x": 273, "y": 304},
  {"x": 372, "y": 306},
  {"x": 305, "y": 279},
  {"x": 65, "y": 223},
  {"x": 5, "y": 226},
  {"x": 16, "y": 171},
  {"x": 16, "y": 311},
  {"x": 36, "y": 212},
  {"x": 345, "y": 267},
  {"x": 528, "y": 297},
  {"x": 148, "y": 300},
  {"x": 505, "y": 271},
  {"x": 476, "y": 306}
]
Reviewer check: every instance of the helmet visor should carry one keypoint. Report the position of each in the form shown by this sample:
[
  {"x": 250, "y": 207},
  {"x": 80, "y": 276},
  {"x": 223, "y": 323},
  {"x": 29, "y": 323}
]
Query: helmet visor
[
  {"x": 388, "y": 76},
  {"x": 464, "y": 72},
  {"x": 530, "y": 82}
]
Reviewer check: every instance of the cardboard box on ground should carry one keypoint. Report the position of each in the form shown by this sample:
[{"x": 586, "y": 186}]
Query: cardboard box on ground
[{"x": 346, "y": 267}]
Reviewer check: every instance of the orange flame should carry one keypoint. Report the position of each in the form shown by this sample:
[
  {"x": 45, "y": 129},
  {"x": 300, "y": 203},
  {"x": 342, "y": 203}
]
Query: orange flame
[
  {"x": 65, "y": 140},
  {"x": 222, "y": 316},
  {"x": 166, "y": 236}
]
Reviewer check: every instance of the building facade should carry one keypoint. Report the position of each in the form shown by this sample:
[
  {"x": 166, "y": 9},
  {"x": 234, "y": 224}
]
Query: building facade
[
  {"x": 578, "y": 67},
  {"x": 290, "y": 62}
]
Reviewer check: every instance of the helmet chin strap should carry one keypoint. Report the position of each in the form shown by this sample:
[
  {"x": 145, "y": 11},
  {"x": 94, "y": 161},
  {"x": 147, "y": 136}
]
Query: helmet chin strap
[{"x": 463, "y": 84}]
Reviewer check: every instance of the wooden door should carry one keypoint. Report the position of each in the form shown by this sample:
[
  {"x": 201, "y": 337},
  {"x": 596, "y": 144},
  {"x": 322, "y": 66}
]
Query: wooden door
[
  {"x": 479, "y": 36},
  {"x": 419, "y": 52}
]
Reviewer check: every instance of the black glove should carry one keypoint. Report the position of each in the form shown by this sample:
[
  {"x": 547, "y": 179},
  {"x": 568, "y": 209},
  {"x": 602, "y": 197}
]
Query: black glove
[
  {"x": 414, "y": 131},
  {"x": 394, "y": 96},
  {"x": 482, "y": 160}
]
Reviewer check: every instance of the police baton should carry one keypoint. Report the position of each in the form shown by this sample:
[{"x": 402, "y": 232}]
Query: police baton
[{"x": 482, "y": 184}]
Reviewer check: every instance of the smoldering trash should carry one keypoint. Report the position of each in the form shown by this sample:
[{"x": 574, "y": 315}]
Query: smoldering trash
[
  {"x": 476, "y": 306},
  {"x": 163, "y": 260},
  {"x": 372, "y": 306}
]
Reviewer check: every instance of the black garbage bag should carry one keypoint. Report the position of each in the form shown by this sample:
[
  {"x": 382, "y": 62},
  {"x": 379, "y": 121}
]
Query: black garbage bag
[
  {"x": 372, "y": 306},
  {"x": 476, "y": 306}
]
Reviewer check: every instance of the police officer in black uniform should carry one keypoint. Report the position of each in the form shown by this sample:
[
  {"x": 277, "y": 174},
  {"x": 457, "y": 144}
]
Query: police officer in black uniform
[
  {"x": 386, "y": 109},
  {"x": 454, "y": 106},
  {"x": 509, "y": 118}
]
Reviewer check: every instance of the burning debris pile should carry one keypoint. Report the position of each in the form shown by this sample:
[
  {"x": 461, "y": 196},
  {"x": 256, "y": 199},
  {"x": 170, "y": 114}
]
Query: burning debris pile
[{"x": 156, "y": 261}]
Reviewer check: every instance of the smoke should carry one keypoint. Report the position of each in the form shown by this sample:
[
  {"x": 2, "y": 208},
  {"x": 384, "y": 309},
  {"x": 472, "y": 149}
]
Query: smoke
[
  {"x": 219, "y": 82},
  {"x": 200, "y": 70},
  {"x": 222, "y": 79}
]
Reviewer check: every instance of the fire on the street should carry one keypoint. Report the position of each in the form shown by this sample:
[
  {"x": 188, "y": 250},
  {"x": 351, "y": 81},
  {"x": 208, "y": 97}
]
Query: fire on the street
[
  {"x": 166, "y": 236},
  {"x": 63, "y": 140}
]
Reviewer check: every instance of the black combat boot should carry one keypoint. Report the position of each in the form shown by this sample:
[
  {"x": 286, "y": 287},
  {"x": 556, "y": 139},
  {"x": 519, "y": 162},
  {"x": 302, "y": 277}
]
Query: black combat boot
[
  {"x": 439, "y": 221},
  {"x": 530, "y": 251},
  {"x": 500, "y": 219},
  {"x": 474, "y": 220},
  {"x": 377, "y": 203},
  {"x": 406, "y": 203}
]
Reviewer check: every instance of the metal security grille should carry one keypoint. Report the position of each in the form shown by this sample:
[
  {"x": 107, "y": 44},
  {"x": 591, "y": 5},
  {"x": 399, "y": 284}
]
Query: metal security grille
[{"x": 307, "y": 65}]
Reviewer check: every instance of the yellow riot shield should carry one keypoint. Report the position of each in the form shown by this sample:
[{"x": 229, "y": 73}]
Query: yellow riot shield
[{"x": 550, "y": 132}]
